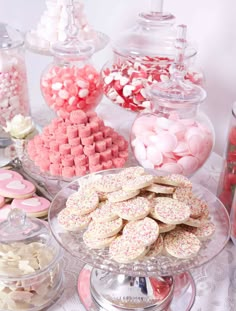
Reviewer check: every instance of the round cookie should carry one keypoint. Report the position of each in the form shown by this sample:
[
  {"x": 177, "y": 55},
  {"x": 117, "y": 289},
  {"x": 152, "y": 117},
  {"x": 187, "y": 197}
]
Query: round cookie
[
  {"x": 121, "y": 195},
  {"x": 131, "y": 172},
  {"x": 137, "y": 183},
  {"x": 145, "y": 231},
  {"x": 156, "y": 248},
  {"x": 196, "y": 222},
  {"x": 108, "y": 183},
  {"x": 7, "y": 175},
  {"x": 17, "y": 189},
  {"x": 71, "y": 222},
  {"x": 82, "y": 203},
  {"x": 104, "y": 212},
  {"x": 102, "y": 230},
  {"x": 171, "y": 211},
  {"x": 176, "y": 180},
  {"x": 163, "y": 228},
  {"x": 181, "y": 244},
  {"x": 124, "y": 250},
  {"x": 160, "y": 189},
  {"x": 95, "y": 243},
  {"x": 203, "y": 233},
  {"x": 33, "y": 207},
  {"x": 133, "y": 209},
  {"x": 4, "y": 211}
]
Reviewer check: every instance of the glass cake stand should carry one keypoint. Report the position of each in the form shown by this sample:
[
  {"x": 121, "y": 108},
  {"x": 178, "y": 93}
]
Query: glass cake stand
[{"x": 157, "y": 283}]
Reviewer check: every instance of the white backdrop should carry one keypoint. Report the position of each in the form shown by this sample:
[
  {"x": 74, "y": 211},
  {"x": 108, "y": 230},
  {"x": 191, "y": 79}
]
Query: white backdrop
[{"x": 211, "y": 25}]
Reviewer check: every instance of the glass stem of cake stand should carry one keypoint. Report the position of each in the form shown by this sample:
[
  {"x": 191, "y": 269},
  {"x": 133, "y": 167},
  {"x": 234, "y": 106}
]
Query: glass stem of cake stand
[{"x": 156, "y": 6}]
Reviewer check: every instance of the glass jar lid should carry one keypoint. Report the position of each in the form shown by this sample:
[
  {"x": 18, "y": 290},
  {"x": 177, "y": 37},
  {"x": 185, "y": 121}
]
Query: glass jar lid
[
  {"x": 26, "y": 246},
  {"x": 10, "y": 38},
  {"x": 153, "y": 34}
]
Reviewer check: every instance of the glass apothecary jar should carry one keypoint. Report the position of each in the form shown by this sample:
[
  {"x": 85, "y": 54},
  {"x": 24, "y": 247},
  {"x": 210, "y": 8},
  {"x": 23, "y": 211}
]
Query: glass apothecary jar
[
  {"x": 71, "y": 82},
  {"x": 175, "y": 136},
  {"x": 13, "y": 79},
  {"x": 31, "y": 274},
  {"x": 143, "y": 55}
]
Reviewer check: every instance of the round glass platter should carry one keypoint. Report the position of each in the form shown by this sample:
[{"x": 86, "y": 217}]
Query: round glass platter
[{"x": 162, "y": 265}]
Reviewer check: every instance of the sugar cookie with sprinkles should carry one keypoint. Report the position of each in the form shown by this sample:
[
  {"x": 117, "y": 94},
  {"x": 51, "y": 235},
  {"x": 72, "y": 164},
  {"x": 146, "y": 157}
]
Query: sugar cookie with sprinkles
[
  {"x": 71, "y": 222},
  {"x": 102, "y": 230},
  {"x": 156, "y": 248},
  {"x": 133, "y": 209},
  {"x": 196, "y": 222},
  {"x": 131, "y": 172},
  {"x": 163, "y": 228},
  {"x": 104, "y": 212},
  {"x": 121, "y": 195},
  {"x": 173, "y": 180},
  {"x": 82, "y": 203},
  {"x": 108, "y": 183},
  {"x": 204, "y": 232},
  {"x": 171, "y": 211},
  {"x": 160, "y": 189},
  {"x": 145, "y": 231},
  {"x": 125, "y": 250},
  {"x": 181, "y": 244},
  {"x": 137, "y": 183},
  {"x": 95, "y": 243}
]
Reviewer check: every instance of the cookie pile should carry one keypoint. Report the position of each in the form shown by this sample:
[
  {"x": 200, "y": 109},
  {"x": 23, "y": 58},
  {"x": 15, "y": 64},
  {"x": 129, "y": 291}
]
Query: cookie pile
[
  {"x": 16, "y": 192},
  {"x": 138, "y": 215}
]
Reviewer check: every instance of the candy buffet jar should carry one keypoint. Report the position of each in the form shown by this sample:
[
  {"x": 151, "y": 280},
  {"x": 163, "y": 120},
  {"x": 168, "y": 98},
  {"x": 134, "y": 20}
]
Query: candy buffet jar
[
  {"x": 71, "y": 82},
  {"x": 31, "y": 275},
  {"x": 143, "y": 55},
  {"x": 13, "y": 79}
]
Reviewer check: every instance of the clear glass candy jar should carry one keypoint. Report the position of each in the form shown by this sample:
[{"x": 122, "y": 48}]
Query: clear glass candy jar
[
  {"x": 176, "y": 136},
  {"x": 31, "y": 276},
  {"x": 13, "y": 79},
  {"x": 143, "y": 55}
]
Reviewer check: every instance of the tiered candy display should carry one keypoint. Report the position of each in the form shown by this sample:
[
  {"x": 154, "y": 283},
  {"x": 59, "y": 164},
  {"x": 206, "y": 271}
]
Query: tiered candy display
[
  {"x": 175, "y": 137},
  {"x": 142, "y": 56}
]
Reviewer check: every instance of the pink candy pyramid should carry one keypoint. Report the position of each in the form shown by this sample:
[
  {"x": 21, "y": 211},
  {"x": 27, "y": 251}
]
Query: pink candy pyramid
[{"x": 77, "y": 143}]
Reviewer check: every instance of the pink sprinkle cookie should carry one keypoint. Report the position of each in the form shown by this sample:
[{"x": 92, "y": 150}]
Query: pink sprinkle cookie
[
  {"x": 196, "y": 222},
  {"x": 81, "y": 203},
  {"x": 173, "y": 180},
  {"x": 133, "y": 209},
  {"x": 95, "y": 243},
  {"x": 71, "y": 222},
  {"x": 160, "y": 189},
  {"x": 156, "y": 248},
  {"x": 4, "y": 211},
  {"x": 181, "y": 244},
  {"x": 121, "y": 195},
  {"x": 163, "y": 228},
  {"x": 133, "y": 171},
  {"x": 138, "y": 183},
  {"x": 124, "y": 250},
  {"x": 171, "y": 211},
  {"x": 196, "y": 206},
  {"x": 17, "y": 189},
  {"x": 33, "y": 207},
  {"x": 104, "y": 230},
  {"x": 108, "y": 183},
  {"x": 104, "y": 212},
  {"x": 6, "y": 175},
  {"x": 182, "y": 193},
  {"x": 204, "y": 232},
  {"x": 145, "y": 231}
]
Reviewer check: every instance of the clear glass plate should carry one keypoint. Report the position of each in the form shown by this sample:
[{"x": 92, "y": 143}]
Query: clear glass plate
[{"x": 161, "y": 265}]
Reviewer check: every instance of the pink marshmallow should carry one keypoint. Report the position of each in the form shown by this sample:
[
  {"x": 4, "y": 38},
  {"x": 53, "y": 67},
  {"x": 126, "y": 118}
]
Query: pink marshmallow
[
  {"x": 89, "y": 150},
  {"x": 64, "y": 149},
  {"x": 100, "y": 146},
  {"x": 94, "y": 159},
  {"x": 87, "y": 141}
]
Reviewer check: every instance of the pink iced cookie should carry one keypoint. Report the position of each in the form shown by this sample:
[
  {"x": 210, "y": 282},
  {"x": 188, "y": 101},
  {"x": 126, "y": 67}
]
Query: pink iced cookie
[
  {"x": 17, "y": 189},
  {"x": 33, "y": 207},
  {"x": 2, "y": 201},
  {"x": 4, "y": 211},
  {"x": 6, "y": 175}
]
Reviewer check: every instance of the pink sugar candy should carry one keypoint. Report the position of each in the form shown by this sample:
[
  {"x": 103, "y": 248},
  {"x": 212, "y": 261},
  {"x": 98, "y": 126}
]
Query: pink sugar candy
[
  {"x": 62, "y": 129},
  {"x": 67, "y": 160},
  {"x": 87, "y": 141},
  {"x": 114, "y": 150},
  {"x": 74, "y": 141},
  {"x": 148, "y": 137},
  {"x": 167, "y": 142},
  {"x": 123, "y": 154},
  {"x": 80, "y": 170},
  {"x": 64, "y": 149},
  {"x": 95, "y": 168},
  {"x": 68, "y": 171},
  {"x": 100, "y": 146},
  {"x": 80, "y": 160},
  {"x": 94, "y": 127},
  {"x": 105, "y": 155},
  {"x": 107, "y": 165},
  {"x": 91, "y": 114},
  {"x": 84, "y": 131},
  {"x": 181, "y": 149},
  {"x": 118, "y": 162},
  {"x": 78, "y": 117},
  {"x": 55, "y": 169},
  {"x": 107, "y": 131},
  {"x": 62, "y": 139},
  {"x": 54, "y": 146},
  {"x": 72, "y": 132},
  {"x": 146, "y": 123},
  {"x": 99, "y": 121},
  {"x": 55, "y": 157},
  {"x": 89, "y": 150},
  {"x": 114, "y": 136},
  {"x": 140, "y": 151},
  {"x": 98, "y": 136},
  {"x": 76, "y": 150},
  {"x": 121, "y": 144},
  {"x": 163, "y": 123},
  {"x": 189, "y": 164},
  {"x": 178, "y": 129},
  {"x": 44, "y": 165},
  {"x": 154, "y": 155},
  {"x": 173, "y": 168},
  {"x": 94, "y": 159},
  {"x": 108, "y": 141}
]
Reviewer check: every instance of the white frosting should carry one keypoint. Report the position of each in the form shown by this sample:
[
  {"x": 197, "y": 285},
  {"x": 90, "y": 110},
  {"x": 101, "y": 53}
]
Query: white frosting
[
  {"x": 15, "y": 184},
  {"x": 20, "y": 127},
  {"x": 31, "y": 202}
]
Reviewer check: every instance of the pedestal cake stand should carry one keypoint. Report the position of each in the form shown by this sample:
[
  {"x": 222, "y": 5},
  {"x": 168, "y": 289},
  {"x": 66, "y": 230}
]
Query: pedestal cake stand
[{"x": 156, "y": 283}]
